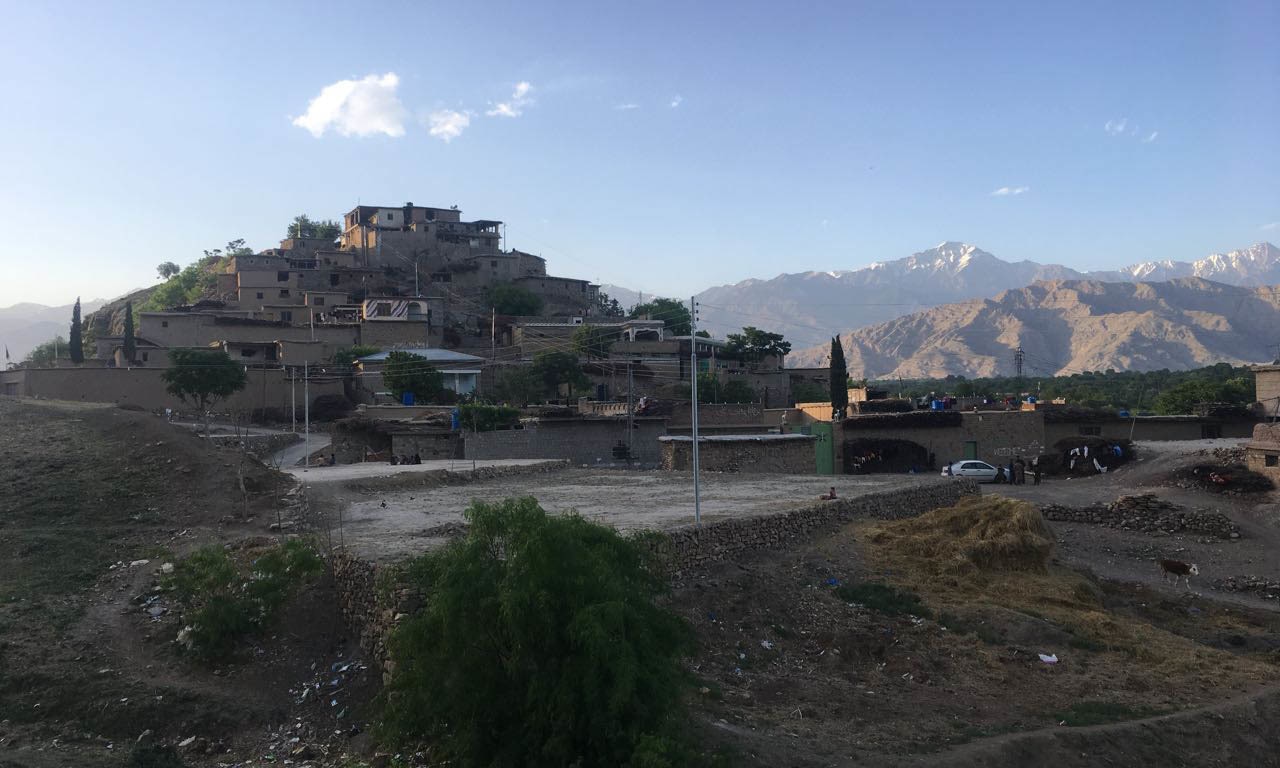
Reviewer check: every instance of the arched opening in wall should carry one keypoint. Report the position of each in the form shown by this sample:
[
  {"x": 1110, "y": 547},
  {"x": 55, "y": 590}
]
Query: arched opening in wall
[
  {"x": 870, "y": 455},
  {"x": 649, "y": 335},
  {"x": 417, "y": 312}
]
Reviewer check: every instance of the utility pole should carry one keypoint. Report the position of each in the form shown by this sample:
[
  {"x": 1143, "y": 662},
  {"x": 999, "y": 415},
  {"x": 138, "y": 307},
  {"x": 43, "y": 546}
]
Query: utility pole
[
  {"x": 693, "y": 373},
  {"x": 631, "y": 409},
  {"x": 293, "y": 401},
  {"x": 306, "y": 411}
]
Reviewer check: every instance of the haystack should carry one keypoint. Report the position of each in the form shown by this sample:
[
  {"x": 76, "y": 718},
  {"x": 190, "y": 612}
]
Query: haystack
[{"x": 983, "y": 533}]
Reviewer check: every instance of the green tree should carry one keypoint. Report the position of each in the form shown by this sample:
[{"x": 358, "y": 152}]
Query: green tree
[
  {"x": 674, "y": 314},
  {"x": 839, "y": 380},
  {"x": 168, "y": 270},
  {"x": 75, "y": 342},
  {"x": 714, "y": 389},
  {"x": 407, "y": 372},
  {"x": 521, "y": 386},
  {"x": 306, "y": 227},
  {"x": 202, "y": 378},
  {"x": 511, "y": 299},
  {"x": 556, "y": 368},
  {"x": 754, "y": 345},
  {"x": 608, "y": 306},
  {"x": 541, "y": 644},
  {"x": 129, "y": 345},
  {"x": 593, "y": 342},
  {"x": 344, "y": 359},
  {"x": 46, "y": 353}
]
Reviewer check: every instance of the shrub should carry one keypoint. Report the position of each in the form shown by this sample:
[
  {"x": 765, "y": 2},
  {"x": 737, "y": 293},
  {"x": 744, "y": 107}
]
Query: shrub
[
  {"x": 540, "y": 645},
  {"x": 225, "y": 600},
  {"x": 486, "y": 418},
  {"x": 883, "y": 599}
]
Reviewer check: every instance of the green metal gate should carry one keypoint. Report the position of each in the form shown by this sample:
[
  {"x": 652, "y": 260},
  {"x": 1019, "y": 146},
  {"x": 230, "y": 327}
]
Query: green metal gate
[{"x": 826, "y": 448}]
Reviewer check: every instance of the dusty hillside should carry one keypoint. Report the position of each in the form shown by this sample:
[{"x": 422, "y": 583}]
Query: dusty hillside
[{"x": 1067, "y": 326}]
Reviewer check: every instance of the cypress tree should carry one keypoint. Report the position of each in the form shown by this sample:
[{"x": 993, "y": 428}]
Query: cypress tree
[
  {"x": 130, "y": 344},
  {"x": 839, "y": 380},
  {"x": 75, "y": 342}
]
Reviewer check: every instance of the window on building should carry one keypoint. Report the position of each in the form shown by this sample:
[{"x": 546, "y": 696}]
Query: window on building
[
  {"x": 333, "y": 279},
  {"x": 284, "y": 293},
  {"x": 144, "y": 357},
  {"x": 259, "y": 294},
  {"x": 391, "y": 217},
  {"x": 164, "y": 323},
  {"x": 282, "y": 276},
  {"x": 493, "y": 263},
  {"x": 319, "y": 301},
  {"x": 286, "y": 316},
  {"x": 246, "y": 352},
  {"x": 1271, "y": 460},
  {"x": 1091, "y": 430}
]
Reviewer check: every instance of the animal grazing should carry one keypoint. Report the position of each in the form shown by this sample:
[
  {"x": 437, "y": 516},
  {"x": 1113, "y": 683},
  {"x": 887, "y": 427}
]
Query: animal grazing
[{"x": 1179, "y": 570}]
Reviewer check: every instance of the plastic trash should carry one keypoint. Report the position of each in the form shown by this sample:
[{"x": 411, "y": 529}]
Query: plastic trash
[{"x": 1050, "y": 658}]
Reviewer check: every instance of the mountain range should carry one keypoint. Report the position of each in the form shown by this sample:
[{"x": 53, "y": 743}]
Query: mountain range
[
  {"x": 25, "y": 326},
  {"x": 809, "y": 307},
  {"x": 1069, "y": 326}
]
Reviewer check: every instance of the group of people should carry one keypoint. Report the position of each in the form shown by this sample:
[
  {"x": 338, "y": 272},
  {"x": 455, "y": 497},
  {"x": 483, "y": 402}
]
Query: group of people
[
  {"x": 414, "y": 459},
  {"x": 1016, "y": 472}
]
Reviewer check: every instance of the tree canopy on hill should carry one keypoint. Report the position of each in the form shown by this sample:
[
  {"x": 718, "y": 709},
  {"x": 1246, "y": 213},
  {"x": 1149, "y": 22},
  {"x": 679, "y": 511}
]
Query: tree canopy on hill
[
  {"x": 511, "y": 299},
  {"x": 306, "y": 227},
  {"x": 192, "y": 283},
  {"x": 674, "y": 314},
  {"x": 1162, "y": 391}
]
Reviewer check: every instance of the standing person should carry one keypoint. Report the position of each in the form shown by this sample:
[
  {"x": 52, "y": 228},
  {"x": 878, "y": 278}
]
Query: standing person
[
  {"x": 1035, "y": 471},
  {"x": 1020, "y": 472},
  {"x": 1011, "y": 476}
]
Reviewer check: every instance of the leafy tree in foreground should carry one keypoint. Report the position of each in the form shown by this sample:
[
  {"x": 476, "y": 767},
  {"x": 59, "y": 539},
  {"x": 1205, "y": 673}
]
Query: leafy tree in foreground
[
  {"x": 593, "y": 342},
  {"x": 556, "y": 368},
  {"x": 671, "y": 312},
  {"x": 753, "y": 345},
  {"x": 203, "y": 378},
  {"x": 521, "y": 386},
  {"x": 839, "y": 379},
  {"x": 511, "y": 299},
  {"x": 540, "y": 645},
  {"x": 129, "y": 345},
  {"x": 46, "y": 353},
  {"x": 407, "y": 372},
  {"x": 75, "y": 341}
]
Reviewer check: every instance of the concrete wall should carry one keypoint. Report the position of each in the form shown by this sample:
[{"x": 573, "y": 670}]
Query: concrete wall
[
  {"x": 1150, "y": 428},
  {"x": 1262, "y": 455},
  {"x": 391, "y": 334},
  {"x": 143, "y": 387},
  {"x": 428, "y": 445},
  {"x": 999, "y": 435},
  {"x": 581, "y": 441},
  {"x": 715, "y": 414},
  {"x": 1266, "y": 380},
  {"x": 764, "y": 454}
]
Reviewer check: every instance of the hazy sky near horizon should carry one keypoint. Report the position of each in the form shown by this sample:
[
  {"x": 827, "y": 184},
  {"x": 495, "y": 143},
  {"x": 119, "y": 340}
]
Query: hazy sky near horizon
[{"x": 667, "y": 147}]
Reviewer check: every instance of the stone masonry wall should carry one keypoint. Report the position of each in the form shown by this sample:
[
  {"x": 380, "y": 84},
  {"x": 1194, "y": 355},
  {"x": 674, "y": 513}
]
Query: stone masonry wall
[
  {"x": 581, "y": 441},
  {"x": 762, "y": 456},
  {"x": 1145, "y": 512},
  {"x": 373, "y": 603}
]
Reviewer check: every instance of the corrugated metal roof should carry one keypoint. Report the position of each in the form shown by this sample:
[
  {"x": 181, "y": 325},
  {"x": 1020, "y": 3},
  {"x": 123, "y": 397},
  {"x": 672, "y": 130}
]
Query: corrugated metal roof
[{"x": 431, "y": 355}]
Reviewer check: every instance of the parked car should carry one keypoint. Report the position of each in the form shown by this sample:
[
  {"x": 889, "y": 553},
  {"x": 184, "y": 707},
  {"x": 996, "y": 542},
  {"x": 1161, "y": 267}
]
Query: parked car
[{"x": 980, "y": 471}]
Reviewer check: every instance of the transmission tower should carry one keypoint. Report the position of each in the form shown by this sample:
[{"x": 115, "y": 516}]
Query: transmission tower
[{"x": 1017, "y": 361}]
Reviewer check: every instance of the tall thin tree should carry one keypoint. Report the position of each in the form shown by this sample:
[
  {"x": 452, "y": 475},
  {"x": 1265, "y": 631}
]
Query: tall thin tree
[
  {"x": 130, "y": 344},
  {"x": 839, "y": 380},
  {"x": 75, "y": 342}
]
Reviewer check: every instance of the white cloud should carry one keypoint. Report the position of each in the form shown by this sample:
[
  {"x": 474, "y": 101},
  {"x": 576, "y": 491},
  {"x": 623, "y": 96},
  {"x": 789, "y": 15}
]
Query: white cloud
[
  {"x": 1116, "y": 127},
  {"x": 356, "y": 108},
  {"x": 520, "y": 99},
  {"x": 676, "y": 101},
  {"x": 1151, "y": 137},
  {"x": 1006, "y": 191},
  {"x": 625, "y": 107},
  {"x": 447, "y": 124},
  {"x": 1272, "y": 225}
]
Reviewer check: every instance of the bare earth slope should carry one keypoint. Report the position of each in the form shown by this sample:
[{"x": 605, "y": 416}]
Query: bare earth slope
[{"x": 1066, "y": 326}]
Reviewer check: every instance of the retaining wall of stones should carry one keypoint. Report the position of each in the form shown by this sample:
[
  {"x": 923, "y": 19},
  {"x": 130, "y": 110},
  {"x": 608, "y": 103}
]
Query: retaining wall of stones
[
  {"x": 373, "y": 602},
  {"x": 1146, "y": 512}
]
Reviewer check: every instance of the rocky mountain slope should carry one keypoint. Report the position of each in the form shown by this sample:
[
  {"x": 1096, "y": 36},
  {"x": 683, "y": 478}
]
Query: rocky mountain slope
[
  {"x": 1067, "y": 326},
  {"x": 809, "y": 306},
  {"x": 24, "y": 326}
]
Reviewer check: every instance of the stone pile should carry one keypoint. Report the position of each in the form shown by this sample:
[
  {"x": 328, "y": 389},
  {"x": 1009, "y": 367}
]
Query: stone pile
[
  {"x": 1264, "y": 588},
  {"x": 1146, "y": 512}
]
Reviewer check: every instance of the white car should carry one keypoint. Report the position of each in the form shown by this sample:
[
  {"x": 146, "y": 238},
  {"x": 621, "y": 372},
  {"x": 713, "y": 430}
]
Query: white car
[{"x": 980, "y": 471}]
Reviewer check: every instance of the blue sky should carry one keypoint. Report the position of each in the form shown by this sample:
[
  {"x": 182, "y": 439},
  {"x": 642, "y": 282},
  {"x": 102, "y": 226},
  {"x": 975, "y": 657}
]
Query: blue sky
[{"x": 667, "y": 147}]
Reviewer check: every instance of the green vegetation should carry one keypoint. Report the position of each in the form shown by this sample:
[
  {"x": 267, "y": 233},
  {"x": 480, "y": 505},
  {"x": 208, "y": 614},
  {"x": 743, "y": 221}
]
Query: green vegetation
[
  {"x": 674, "y": 315},
  {"x": 883, "y": 598},
  {"x": 590, "y": 341},
  {"x": 1134, "y": 390},
  {"x": 407, "y": 372},
  {"x": 224, "y": 600},
  {"x": 511, "y": 299},
  {"x": 753, "y": 345},
  {"x": 193, "y": 283},
  {"x": 1085, "y": 713},
  {"x": 556, "y": 368},
  {"x": 76, "y": 342},
  {"x": 203, "y": 378},
  {"x": 129, "y": 346},
  {"x": 167, "y": 270},
  {"x": 541, "y": 645},
  {"x": 46, "y": 353},
  {"x": 808, "y": 392},
  {"x": 520, "y": 386},
  {"x": 839, "y": 380},
  {"x": 486, "y": 418},
  {"x": 714, "y": 389},
  {"x": 608, "y": 306},
  {"x": 344, "y": 359},
  {"x": 304, "y": 226}
]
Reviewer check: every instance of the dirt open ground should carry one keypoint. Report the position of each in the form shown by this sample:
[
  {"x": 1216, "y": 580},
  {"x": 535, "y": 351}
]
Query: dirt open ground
[{"x": 790, "y": 670}]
